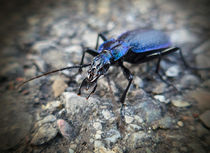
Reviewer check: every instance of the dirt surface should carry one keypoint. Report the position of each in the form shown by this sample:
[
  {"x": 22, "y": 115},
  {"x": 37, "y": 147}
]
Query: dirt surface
[{"x": 46, "y": 115}]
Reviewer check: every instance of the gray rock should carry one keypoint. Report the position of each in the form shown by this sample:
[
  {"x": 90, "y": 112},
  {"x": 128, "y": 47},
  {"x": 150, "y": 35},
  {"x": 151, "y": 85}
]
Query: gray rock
[
  {"x": 15, "y": 121},
  {"x": 47, "y": 119},
  {"x": 98, "y": 144},
  {"x": 150, "y": 111},
  {"x": 202, "y": 98},
  {"x": 97, "y": 125},
  {"x": 40, "y": 63},
  {"x": 133, "y": 128},
  {"x": 65, "y": 41},
  {"x": 66, "y": 129},
  {"x": 164, "y": 123},
  {"x": 138, "y": 82},
  {"x": 61, "y": 29},
  {"x": 78, "y": 108},
  {"x": 90, "y": 38},
  {"x": 98, "y": 134},
  {"x": 202, "y": 61},
  {"x": 74, "y": 103},
  {"x": 39, "y": 46},
  {"x": 107, "y": 114},
  {"x": 56, "y": 58},
  {"x": 181, "y": 36},
  {"x": 71, "y": 150},
  {"x": 205, "y": 118},
  {"x": 30, "y": 72},
  {"x": 159, "y": 88},
  {"x": 196, "y": 147},
  {"x": 202, "y": 48},
  {"x": 189, "y": 81},
  {"x": 137, "y": 139},
  {"x": 128, "y": 119},
  {"x": 201, "y": 131},
  {"x": 11, "y": 70},
  {"x": 138, "y": 119},
  {"x": 53, "y": 106},
  {"x": 45, "y": 133},
  {"x": 112, "y": 136},
  {"x": 76, "y": 52}
]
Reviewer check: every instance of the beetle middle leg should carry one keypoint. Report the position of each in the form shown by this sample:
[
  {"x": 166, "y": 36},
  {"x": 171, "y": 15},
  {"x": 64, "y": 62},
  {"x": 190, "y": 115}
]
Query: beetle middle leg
[
  {"x": 102, "y": 36},
  {"x": 92, "y": 52},
  {"x": 129, "y": 77}
]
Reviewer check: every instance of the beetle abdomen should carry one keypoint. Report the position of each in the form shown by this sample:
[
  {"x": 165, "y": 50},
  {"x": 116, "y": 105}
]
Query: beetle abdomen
[{"x": 145, "y": 40}]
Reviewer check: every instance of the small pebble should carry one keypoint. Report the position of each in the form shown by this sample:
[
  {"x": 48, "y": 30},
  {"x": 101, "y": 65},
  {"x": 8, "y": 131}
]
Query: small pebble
[
  {"x": 180, "y": 123},
  {"x": 71, "y": 150},
  {"x": 106, "y": 114},
  {"x": 173, "y": 71},
  {"x": 138, "y": 119},
  {"x": 97, "y": 125},
  {"x": 161, "y": 98},
  {"x": 179, "y": 103},
  {"x": 128, "y": 119}
]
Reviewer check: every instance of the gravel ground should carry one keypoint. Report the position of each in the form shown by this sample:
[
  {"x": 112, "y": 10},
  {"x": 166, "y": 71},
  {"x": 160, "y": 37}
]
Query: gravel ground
[{"x": 46, "y": 115}]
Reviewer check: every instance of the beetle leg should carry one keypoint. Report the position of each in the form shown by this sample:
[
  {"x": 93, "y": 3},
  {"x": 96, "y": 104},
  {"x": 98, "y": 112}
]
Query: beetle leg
[
  {"x": 129, "y": 77},
  {"x": 88, "y": 50},
  {"x": 94, "y": 89},
  {"x": 188, "y": 65},
  {"x": 159, "y": 75},
  {"x": 102, "y": 36}
]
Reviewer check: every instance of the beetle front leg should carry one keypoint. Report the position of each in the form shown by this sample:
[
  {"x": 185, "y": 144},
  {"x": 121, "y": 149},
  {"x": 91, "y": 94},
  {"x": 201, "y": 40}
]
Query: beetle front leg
[
  {"x": 88, "y": 50},
  {"x": 129, "y": 77}
]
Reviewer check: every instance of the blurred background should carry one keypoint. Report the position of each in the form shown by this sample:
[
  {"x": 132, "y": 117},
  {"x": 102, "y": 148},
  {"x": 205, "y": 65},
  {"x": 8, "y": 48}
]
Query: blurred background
[{"x": 38, "y": 36}]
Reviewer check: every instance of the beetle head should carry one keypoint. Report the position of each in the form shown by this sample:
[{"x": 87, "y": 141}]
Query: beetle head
[{"x": 98, "y": 67}]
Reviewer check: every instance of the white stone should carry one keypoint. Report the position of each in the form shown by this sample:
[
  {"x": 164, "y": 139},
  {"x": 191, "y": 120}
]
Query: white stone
[
  {"x": 138, "y": 119},
  {"x": 97, "y": 125},
  {"x": 98, "y": 134},
  {"x": 128, "y": 119},
  {"x": 180, "y": 123},
  {"x": 173, "y": 71},
  {"x": 161, "y": 98},
  {"x": 179, "y": 103},
  {"x": 107, "y": 115}
]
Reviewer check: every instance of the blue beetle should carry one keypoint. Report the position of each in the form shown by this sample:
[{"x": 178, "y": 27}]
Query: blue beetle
[{"x": 135, "y": 46}]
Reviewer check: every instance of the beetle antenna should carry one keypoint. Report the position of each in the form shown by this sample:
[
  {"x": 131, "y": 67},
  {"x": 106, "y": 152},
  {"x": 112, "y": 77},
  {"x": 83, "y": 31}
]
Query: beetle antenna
[{"x": 54, "y": 71}]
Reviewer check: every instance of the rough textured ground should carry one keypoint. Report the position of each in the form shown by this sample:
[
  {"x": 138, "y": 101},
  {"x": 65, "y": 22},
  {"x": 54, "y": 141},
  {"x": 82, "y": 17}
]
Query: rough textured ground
[{"x": 47, "y": 116}]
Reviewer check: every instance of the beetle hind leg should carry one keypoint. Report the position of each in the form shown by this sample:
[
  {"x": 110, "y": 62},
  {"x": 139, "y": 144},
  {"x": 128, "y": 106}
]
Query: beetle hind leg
[{"x": 157, "y": 71}]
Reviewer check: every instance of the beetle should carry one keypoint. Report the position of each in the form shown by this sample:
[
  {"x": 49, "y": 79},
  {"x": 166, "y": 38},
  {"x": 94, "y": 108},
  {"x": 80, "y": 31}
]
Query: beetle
[{"x": 136, "y": 46}]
